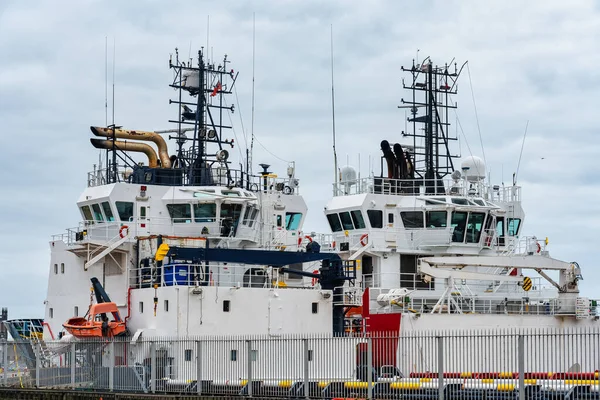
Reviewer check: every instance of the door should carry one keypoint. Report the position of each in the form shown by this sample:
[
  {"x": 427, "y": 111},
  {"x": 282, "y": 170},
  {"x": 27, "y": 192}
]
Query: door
[
  {"x": 142, "y": 220},
  {"x": 389, "y": 224}
]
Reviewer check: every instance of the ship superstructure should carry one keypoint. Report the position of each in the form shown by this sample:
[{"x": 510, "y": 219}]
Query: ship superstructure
[
  {"x": 194, "y": 197},
  {"x": 436, "y": 243}
]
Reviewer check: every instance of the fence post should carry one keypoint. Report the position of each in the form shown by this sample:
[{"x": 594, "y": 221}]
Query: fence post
[
  {"x": 111, "y": 365},
  {"x": 369, "y": 368},
  {"x": 38, "y": 360},
  {"x": 73, "y": 362},
  {"x": 305, "y": 386},
  {"x": 153, "y": 367},
  {"x": 199, "y": 367},
  {"x": 521, "y": 366},
  {"x": 249, "y": 346},
  {"x": 440, "y": 352},
  {"x": 5, "y": 362}
]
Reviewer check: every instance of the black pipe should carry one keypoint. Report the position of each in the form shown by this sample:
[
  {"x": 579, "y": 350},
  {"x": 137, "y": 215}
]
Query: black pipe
[{"x": 389, "y": 158}]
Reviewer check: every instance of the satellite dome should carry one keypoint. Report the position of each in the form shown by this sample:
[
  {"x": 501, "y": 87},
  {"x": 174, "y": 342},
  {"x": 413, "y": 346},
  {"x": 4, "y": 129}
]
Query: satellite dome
[
  {"x": 473, "y": 168},
  {"x": 348, "y": 174}
]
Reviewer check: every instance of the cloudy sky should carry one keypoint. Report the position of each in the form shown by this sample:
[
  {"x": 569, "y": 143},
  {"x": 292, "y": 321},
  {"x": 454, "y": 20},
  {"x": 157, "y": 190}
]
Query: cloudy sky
[{"x": 533, "y": 61}]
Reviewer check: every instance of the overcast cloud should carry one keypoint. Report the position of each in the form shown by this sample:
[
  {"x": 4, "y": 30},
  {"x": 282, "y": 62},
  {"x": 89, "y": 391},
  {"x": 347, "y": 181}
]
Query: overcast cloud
[{"x": 534, "y": 60}]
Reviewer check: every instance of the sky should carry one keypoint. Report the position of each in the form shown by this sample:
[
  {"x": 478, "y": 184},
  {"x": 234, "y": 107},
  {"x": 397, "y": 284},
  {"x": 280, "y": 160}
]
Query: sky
[{"x": 530, "y": 64}]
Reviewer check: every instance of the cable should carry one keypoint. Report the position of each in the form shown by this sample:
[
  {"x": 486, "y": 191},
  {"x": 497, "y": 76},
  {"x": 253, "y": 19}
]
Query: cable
[
  {"x": 476, "y": 115},
  {"x": 267, "y": 150}
]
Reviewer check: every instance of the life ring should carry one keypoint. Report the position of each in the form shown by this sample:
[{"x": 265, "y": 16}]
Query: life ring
[
  {"x": 314, "y": 280},
  {"x": 123, "y": 231},
  {"x": 488, "y": 241},
  {"x": 539, "y": 247},
  {"x": 307, "y": 237},
  {"x": 364, "y": 239}
]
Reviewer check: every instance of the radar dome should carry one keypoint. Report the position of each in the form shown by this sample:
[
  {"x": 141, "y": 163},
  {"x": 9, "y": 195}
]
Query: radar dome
[
  {"x": 473, "y": 168},
  {"x": 348, "y": 174}
]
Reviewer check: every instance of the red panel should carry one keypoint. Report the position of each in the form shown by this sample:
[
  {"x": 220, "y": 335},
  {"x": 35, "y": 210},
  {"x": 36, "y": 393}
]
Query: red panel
[{"x": 385, "y": 329}]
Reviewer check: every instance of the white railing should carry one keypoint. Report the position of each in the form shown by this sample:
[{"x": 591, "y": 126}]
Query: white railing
[{"x": 421, "y": 186}]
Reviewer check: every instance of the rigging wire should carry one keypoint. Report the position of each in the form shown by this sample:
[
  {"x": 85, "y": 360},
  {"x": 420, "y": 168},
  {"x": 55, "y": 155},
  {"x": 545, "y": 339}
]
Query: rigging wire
[
  {"x": 268, "y": 151},
  {"x": 234, "y": 133},
  {"x": 521, "y": 154},
  {"x": 335, "y": 161},
  {"x": 476, "y": 115},
  {"x": 237, "y": 100}
]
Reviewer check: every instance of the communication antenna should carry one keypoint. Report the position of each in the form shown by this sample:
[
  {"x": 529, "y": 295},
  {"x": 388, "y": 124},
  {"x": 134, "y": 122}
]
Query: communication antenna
[
  {"x": 252, "y": 123},
  {"x": 105, "y": 80},
  {"x": 335, "y": 162}
]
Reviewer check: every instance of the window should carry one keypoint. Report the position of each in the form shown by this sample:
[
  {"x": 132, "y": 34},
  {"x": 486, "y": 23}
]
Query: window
[
  {"x": 253, "y": 355},
  {"x": 62, "y": 268},
  {"x": 357, "y": 218},
  {"x": 206, "y": 212},
  {"x": 246, "y": 215},
  {"x": 334, "y": 222},
  {"x": 474, "y": 227},
  {"x": 226, "y": 305},
  {"x": 180, "y": 213},
  {"x": 459, "y": 223},
  {"x": 315, "y": 308},
  {"x": 460, "y": 201},
  {"x": 188, "y": 354},
  {"x": 55, "y": 269},
  {"x": 513, "y": 226},
  {"x": 292, "y": 221},
  {"x": 231, "y": 211},
  {"x": 375, "y": 218},
  {"x": 412, "y": 219},
  {"x": 231, "y": 193},
  {"x": 436, "y": 219},
  {"x": 500, "y": 226},
  {"x": 166, "y": 305},
  {"x": 108, "y": 211},
  {"x": 279, "y": 220},
  {"x": 253, "y": 217},
  {"x": 87, "y": 214},
  {"x": 293, "y": 276},
  {"x": 390, "y": 218},
  {"x": 141, "y": 307},
  {"x": 97, "y": 213},
  {"x": 142, "y": 213},
  {"x": 310, "y": 355},
  {"x": 76, "y": 311},
  {"x": 51, "y": 312},
  {"x": 346, "y": 220},
  {"x": 233, "y": 355},
  {"x": 125, "y": 210}
]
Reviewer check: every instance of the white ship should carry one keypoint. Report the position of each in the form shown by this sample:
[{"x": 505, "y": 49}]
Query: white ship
[{"x": 428, "y": 244}]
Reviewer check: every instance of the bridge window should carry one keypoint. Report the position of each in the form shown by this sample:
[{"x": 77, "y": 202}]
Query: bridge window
[
  {"x": 253, "y": 217},
  {"x": 474, "y": 227},
  {"x": 107, "y": 211},
  {"x": 460, "y": 201},
  {"x": 459, "y": 224},
  {"x": 375, "y": 218},
  {"x": 346, "y": 220},
  {"x": 292, "y": 221},
  {"x": 513, "y": 226},
  {"x": 206, "y": 212},
  {"x": 125, "y": 210},
  {"x": 334, "y": 222},
  {"x": 357, "y": 218},
  {"x": 97, "y": 213},
  {"x": 188, "y": 355},
  {"x": 246, "y": 215},
  {"x": 412, "y": 219},
  {"x": 87, "y": 214},
  {"x": 180, "y": 213},
  {"x": 437, "y": 219}
]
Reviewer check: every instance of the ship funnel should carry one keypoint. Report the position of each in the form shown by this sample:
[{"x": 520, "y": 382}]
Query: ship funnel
[
  {"x": 163, "y": 152},
  {"x": 128, "y": 146}
]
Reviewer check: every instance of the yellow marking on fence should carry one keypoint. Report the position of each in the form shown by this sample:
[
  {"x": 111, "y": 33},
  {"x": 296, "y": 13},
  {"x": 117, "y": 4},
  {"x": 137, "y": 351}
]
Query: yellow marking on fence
[
  {"x": 286, "y": 384},
  {"x": 580, "y": 382}
]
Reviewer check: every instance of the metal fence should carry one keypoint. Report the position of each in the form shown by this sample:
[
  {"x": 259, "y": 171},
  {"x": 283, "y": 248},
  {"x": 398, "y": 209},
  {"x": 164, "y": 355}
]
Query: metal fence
[{"x": 499, "y": 364}]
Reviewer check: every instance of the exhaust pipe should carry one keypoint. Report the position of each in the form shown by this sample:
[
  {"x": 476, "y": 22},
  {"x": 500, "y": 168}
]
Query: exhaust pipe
[
  {"x": 128, "y": 146},
  {"x": 163, "y": 152}
]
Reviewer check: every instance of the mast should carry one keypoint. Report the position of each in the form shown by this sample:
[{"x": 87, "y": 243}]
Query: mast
[{"x": 430, "y": 87}]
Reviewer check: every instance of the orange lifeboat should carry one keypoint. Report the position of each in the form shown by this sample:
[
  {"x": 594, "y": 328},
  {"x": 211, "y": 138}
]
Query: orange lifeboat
[{"x": 97, "y": 324}]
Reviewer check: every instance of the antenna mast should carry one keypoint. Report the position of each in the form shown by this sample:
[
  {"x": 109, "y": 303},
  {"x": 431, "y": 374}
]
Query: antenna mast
[
  {"x": 252, "y": 123},
  {"x": 436, "y": 84},
  {"x": 335, "y": 162}
]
